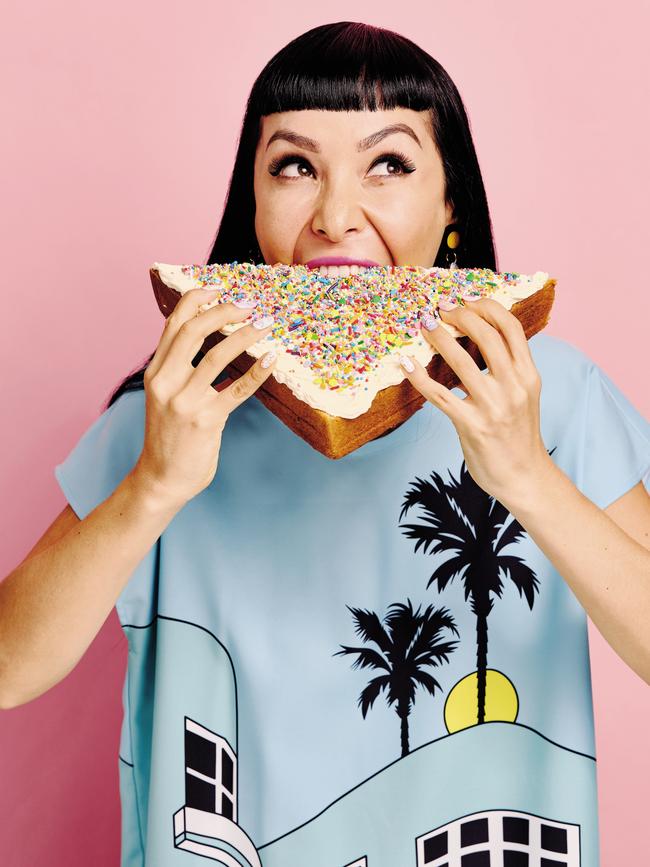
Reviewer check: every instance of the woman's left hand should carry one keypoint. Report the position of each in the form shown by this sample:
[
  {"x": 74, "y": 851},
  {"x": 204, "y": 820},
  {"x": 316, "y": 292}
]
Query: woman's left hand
[{"x": 498, "y": 421}]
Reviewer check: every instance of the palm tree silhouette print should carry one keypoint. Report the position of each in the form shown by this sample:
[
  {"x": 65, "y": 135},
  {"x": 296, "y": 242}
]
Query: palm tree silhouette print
[
  {"x": 461, "y": 517},
  {"x": 407, "y": 642}
]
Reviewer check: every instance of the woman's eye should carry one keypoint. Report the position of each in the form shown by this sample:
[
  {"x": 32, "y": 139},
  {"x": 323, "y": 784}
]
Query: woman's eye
[
  {"x": 281, "y": 163},
  {"x": 403, "y": 165},
  {"x": 284, "y": 165}
]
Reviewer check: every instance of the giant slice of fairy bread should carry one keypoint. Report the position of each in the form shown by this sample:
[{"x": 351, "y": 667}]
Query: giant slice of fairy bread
[{"x": 337, "y": 381}]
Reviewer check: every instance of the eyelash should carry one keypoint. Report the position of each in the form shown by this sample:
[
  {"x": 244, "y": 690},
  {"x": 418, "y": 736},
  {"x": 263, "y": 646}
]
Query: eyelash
[{"x": 405, "y": 163}]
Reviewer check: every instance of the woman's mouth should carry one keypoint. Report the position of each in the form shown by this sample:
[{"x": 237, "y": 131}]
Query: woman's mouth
[{"x": 331, "y": 266}]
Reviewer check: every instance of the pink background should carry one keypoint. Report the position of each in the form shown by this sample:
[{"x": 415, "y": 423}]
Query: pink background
[{"x": 124, "y": 121}]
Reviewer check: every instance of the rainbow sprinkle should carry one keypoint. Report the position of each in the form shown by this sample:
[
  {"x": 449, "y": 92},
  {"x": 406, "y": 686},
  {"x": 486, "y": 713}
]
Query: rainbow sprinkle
[{"x": 342, "y": 327}]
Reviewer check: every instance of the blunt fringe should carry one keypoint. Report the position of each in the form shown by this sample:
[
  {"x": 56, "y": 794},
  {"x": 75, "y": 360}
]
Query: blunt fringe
[{"x": 349, "y": 66}]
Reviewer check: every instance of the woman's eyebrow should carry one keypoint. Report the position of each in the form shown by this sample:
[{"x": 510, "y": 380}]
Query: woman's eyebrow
[{"x": 365, "y": 144}]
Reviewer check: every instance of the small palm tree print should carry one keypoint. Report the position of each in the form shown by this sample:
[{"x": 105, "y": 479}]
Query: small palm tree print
[{"x": 407, "y": 642}]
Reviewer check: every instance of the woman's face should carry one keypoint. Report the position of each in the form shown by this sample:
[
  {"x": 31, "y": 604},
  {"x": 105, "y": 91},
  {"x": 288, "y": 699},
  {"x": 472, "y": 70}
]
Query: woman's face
[{"x": 327, "y": 185}]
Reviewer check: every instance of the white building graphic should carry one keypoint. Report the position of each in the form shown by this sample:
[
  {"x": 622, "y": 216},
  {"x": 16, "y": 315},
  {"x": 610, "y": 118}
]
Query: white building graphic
[
  {"x": 207, "y": 823},
  {"x": 500, "y": 838}
]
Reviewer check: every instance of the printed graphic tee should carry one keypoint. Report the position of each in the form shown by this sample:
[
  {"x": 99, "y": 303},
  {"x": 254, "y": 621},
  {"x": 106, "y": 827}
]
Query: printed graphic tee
[{"x": 362, "y": 662}]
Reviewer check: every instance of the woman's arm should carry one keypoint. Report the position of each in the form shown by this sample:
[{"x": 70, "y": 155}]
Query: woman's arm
[
  {"x": 55, "y": 602},
  {"x": 607, "y": 569},
  {"x": 632, "y": 513}
]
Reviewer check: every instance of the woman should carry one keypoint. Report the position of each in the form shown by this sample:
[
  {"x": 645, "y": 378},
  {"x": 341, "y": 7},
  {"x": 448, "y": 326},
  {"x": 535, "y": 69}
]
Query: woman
[{"x": 310, "y": 679}]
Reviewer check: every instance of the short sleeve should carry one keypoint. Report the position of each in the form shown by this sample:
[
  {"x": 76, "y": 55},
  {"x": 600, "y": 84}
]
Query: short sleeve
[
  {"x": 104, "y": 455},
  {"x": 616, "y": 453}
]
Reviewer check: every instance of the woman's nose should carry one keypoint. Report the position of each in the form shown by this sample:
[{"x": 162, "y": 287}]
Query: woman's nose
[{"x": 337, "y": 213}]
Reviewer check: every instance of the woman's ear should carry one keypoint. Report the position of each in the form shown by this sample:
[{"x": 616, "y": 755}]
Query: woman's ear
[{"x": 450, "y": 216}]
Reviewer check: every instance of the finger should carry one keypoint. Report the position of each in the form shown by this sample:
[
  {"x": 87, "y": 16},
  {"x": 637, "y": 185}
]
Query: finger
[
  {"x": 187, "y": 307},
  {"x": 248, "y": 383},
  {"x": 434, "y": 391},
  {"x": 511, "y": 329},
  {"x": 177, "y": 367},
  {"x": 488, "y": 339},
  {"x": 214, "y": 361},
  {"x": 460, "y": 361}
]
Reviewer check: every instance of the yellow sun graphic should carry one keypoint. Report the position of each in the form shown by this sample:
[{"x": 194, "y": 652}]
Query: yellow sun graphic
[{"x": 461, "y": 706}]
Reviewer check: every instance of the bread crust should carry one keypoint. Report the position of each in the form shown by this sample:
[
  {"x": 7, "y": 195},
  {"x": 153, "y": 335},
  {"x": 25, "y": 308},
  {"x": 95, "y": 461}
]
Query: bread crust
[{"x": 334, "y": 436}]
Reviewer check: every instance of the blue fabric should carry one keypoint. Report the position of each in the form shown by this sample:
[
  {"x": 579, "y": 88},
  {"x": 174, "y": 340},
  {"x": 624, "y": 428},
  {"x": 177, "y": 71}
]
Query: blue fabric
[
  {"x": 616, "y": 442},
  {"x": 244, "y": 738}
]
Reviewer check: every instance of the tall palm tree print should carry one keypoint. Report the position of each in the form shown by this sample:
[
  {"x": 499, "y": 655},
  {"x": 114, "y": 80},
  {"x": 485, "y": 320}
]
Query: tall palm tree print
[
  {"x": 407, "y": 642},
  {"x": 461, "y": 517}
]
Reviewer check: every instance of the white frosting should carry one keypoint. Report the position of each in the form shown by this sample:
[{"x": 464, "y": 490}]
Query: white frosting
[{"x": 351, "y": 401}]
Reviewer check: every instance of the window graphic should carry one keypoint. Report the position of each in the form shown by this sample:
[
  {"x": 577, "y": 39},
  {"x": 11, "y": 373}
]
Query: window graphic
[
  {"x": 500, "y": 837},
  {"x": 209, "y": 772}
]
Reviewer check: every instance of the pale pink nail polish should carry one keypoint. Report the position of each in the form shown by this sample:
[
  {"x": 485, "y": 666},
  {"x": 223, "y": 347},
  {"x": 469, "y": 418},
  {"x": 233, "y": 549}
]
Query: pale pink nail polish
[
  {"x": 406, "y": 363},
  {"x": 245, "y": 303},
  {"x": 443, "y": 304},
  {"x": 264, "y": 322},
  {"x": 268, "y": 358},
  {"x": 429, "y": 322}
]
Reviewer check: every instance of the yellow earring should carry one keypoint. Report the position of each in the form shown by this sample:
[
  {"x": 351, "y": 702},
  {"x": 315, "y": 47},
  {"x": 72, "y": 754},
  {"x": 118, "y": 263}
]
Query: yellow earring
[{"x": 453, "y": 241}]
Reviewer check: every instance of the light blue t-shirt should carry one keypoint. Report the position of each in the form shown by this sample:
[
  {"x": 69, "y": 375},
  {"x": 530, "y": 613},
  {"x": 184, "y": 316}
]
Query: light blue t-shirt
[{"x": 364, "y": 661}]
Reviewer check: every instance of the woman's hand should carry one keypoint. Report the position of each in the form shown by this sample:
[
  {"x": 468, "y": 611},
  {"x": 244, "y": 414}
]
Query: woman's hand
[
  {"x": 498, "y": 421},
  {"x": 185, "y": 415}
]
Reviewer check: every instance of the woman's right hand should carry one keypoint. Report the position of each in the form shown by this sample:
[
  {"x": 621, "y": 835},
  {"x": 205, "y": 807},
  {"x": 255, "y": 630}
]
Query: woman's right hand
[{"x": 185, "y": 415}]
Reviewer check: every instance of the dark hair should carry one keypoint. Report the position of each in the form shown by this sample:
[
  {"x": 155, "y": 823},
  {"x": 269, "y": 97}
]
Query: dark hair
[{"x": 349, "y": 66}]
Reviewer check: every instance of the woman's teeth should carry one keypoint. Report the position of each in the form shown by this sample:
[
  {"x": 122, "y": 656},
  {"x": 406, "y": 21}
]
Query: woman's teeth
[{"x": 340, "y": 270}]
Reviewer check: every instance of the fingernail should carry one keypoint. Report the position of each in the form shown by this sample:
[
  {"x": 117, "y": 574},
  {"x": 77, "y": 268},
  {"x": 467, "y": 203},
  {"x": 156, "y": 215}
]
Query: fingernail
[
  {"x": 469, "y": 296},
  {"x": 245, "y": 302},
  {"x": 268, "y": 358},
  {"x": 212, "y": 287},
  {"x": 443, "y": 304},
  {"x": 429, "y": 322},
  {"x": 406, "y": 363},
  {"x": 264, "y": 322}
]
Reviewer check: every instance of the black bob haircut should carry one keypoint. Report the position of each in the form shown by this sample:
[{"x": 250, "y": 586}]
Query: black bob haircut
[{"x": 349, "y": 66}]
